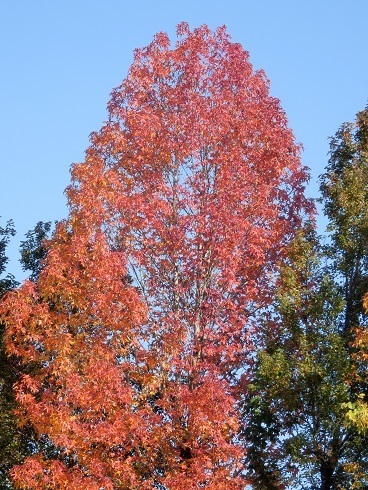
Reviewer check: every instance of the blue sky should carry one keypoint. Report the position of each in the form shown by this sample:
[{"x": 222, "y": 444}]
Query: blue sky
[{"x": 60, "y": 60}]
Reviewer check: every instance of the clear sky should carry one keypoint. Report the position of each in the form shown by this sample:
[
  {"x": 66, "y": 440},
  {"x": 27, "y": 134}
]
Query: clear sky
[{"x": 61, "y": 58}]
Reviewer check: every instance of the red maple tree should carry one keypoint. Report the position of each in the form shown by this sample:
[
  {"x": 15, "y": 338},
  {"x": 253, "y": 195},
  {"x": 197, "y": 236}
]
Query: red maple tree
[{"x": 141, "y": 319}]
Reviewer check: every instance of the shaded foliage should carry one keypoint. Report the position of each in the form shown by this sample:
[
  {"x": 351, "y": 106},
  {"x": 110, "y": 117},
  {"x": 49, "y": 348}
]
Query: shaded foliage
[
  {"x": 11, "y": 450},
  {"x": 7, "y": 282},
  {"x": 33, "y": 249},
  {"x": 16, "y": 442}
]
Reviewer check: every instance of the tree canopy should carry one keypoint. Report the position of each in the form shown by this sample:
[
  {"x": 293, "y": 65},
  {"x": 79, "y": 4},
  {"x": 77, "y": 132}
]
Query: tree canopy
[
  {"x": 141, "y": 321},
  {"x": 184, "y": 326}
]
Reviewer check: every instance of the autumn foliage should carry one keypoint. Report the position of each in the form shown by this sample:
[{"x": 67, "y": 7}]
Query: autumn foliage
[{"x": 138, "y": 331}]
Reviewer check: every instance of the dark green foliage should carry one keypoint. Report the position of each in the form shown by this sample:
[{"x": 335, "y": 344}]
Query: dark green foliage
[
  {"x": 8, "y": 282},
  {"x": 33, "y": 250},
  {"x": 5, "y": 234}
]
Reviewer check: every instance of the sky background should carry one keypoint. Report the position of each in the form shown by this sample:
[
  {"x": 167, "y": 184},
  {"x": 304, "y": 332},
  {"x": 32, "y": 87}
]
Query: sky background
[{"x": 60, "y": 60}]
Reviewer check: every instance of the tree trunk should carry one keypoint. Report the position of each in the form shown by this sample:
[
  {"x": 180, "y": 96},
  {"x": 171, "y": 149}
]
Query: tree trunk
[{"x": 327, "y": 470}]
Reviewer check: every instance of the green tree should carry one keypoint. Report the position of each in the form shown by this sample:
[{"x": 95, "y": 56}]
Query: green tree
[
  {"x": 344, "y": 189},
  {"x": 298, "y": 432},
  {"x": 309, "y": 383}
]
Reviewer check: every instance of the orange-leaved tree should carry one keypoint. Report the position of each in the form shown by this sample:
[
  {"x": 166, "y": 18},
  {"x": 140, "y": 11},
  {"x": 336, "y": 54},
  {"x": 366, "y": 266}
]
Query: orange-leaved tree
[
  {"x": 74, "y": 330},
  {"x": 187, "y": 196}
]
